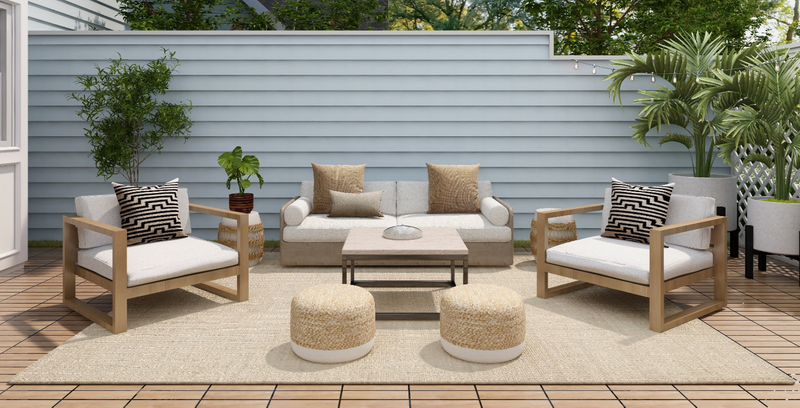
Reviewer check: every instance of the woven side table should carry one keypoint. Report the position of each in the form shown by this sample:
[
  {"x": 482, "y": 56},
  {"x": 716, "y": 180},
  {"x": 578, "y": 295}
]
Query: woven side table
[
  {"x": 561, "y": 230},
  {"x": 226, "y": 235}
]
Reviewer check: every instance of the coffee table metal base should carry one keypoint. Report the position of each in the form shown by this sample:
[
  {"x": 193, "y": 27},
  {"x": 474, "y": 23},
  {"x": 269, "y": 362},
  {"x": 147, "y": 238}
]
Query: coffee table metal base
[{"x": 350, "y": 260}]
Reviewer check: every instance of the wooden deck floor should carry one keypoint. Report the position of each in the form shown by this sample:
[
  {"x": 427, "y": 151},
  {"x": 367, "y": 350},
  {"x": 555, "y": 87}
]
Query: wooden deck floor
[{"x": 762, "y": 316}]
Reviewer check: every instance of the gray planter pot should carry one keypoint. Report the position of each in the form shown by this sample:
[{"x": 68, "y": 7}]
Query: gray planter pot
[
  {"x": 775, "y": 225},
  {"x": 721, "y": 187}
]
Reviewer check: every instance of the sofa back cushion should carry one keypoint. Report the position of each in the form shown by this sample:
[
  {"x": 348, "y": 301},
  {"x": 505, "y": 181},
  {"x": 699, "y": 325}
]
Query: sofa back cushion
[
  {"x": 388, "y": 201},
  {"x": 105, "y": 208},
  {"x": 412, "y": 196},
  {"x": 682, "y": 208}
]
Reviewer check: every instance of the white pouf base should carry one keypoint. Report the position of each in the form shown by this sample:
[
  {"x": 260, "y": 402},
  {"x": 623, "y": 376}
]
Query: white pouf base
[
  {"x": 254, "y": 262},
  {"x": 332, "y": 356},
  {"x": 482, "y": 356}
]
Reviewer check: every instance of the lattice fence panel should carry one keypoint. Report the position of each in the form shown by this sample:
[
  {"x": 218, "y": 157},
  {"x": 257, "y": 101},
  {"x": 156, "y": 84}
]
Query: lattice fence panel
[{"x": 755, "y": 179}]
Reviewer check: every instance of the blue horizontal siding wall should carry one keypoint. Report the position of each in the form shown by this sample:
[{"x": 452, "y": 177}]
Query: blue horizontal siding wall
[
  {"x": 74, "y": 15},
  {"x": 545, "y": 134}
]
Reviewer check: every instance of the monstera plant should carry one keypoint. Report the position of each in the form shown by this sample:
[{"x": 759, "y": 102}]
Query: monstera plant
[{"x": 240, "y": 169}]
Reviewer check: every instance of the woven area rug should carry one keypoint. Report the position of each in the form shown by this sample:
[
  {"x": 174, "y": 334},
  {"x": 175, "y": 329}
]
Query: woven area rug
[{"x": 592, "y": 336}]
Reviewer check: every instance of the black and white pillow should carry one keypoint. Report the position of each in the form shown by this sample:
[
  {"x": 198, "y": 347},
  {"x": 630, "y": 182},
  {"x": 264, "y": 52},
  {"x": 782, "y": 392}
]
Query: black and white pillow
[
  {"x": 635, "y": 210},
  {"x": 149, "y": 214}
]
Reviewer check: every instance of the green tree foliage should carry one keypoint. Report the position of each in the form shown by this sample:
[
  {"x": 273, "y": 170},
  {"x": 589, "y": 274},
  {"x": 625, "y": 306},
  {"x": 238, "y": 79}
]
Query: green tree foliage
[
  {"x": 192, "y": 15},
  {"x": 613, "y": 27},
  {"x": 457, "y": 15},
  {"x": 127, "y": 123},
  {"x": 690, "y": 57},
  {"x": 329, "y": 14}
]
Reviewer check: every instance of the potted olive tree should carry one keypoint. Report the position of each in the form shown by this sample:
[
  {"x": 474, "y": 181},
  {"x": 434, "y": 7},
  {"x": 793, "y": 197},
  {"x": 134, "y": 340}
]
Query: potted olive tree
[
  {"x": 127, "y": 122},
  {"x": 240, "y": 169},
  {"x": 682, "y": 62},
  {"x": 765, "y": 113}
]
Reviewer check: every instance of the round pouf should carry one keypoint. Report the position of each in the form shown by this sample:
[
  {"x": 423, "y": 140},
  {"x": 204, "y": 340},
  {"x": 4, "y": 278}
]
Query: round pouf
[
  {"x": 482, "y": 323},
  {"x": 227, "y": 235},
  {"x": 333, "y": 323},
  {"x": 560, "y": 231}
]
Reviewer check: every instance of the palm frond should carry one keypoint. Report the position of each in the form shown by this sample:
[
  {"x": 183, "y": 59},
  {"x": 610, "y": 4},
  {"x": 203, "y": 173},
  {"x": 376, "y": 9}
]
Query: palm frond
[
  {"x": 677, "y": 138},
  {"x": 758, "y": 158}
]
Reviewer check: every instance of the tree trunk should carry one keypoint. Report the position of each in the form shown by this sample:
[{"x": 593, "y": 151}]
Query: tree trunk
[{"x": 795, "y": 19}]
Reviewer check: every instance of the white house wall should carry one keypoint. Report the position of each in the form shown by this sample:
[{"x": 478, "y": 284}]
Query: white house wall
[{"x": 545, "y": 134}]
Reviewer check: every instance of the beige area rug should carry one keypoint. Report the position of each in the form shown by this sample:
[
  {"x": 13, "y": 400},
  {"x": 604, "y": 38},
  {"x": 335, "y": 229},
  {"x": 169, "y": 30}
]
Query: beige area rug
[{"x": 592, "y": 336}]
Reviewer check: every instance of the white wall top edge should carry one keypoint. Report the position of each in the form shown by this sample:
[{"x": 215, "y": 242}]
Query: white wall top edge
[{"x": 333, "y": 33}]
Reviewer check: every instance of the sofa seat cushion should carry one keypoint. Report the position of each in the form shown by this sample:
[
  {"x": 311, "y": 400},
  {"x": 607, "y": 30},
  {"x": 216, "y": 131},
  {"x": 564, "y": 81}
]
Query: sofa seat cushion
[
  {"x": 626, "y": 260},
  {"x": 321, "y": 228},
  {"x": 471, "y": 227},
  {"x": 161, "y": 260}
]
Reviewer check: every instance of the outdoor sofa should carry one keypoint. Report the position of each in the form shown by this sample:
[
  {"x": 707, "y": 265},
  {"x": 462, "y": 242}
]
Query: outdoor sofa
[{"x": 316, "y": 239}]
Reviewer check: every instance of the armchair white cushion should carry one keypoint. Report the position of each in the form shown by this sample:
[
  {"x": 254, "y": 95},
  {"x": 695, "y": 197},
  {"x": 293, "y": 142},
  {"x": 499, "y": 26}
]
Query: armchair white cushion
[
  {"x": 161, "y": 260},
  {"x": 629, "y": 261},
  {"x": 495, "y": 212}
]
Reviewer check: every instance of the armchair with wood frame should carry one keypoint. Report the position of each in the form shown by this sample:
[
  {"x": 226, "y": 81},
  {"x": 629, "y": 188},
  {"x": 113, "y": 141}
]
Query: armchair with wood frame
[
  {"x": 642, "y": 269},
  {"x": 101, "y": 256}
]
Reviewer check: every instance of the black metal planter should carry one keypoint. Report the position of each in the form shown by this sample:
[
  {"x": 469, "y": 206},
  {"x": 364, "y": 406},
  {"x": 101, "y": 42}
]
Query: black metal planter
[{"x": 749, "y": 252}]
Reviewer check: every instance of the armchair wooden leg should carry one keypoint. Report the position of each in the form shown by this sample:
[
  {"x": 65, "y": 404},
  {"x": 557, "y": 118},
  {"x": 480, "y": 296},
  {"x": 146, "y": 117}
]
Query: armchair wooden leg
[
  {"x": 119, "y": 313},
  {"x": 544, "y": 292},
  {"x": 657, "y": 322},
  {"x": 243, "y": 285}
]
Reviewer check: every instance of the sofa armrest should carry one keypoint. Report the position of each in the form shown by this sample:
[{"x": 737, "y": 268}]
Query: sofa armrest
[
  {"x": 494, "y": 211},
  {"x": 119, "y": 246},
  {"x": 295, "y": 211},
  {"x": 510, "y": 222},
  {"x": 282, "y": 221}
]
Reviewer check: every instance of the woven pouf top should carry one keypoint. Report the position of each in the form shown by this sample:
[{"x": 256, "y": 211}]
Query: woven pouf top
[
  {"x": 482, "y": 317},
  {"x": 333, "y": 317}
]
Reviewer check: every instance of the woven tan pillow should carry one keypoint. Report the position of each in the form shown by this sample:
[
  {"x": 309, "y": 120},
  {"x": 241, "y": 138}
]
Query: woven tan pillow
[
  {"x": 356, "y": 205},
  {"x": 347, "y": 179},
  {"x": 453, "y": 189}
]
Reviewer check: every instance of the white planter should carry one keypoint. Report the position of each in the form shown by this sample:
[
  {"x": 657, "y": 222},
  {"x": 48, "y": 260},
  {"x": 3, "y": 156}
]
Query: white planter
[
  {"x": 721, "y": 187},
  {"x": 775, "y": 225}
]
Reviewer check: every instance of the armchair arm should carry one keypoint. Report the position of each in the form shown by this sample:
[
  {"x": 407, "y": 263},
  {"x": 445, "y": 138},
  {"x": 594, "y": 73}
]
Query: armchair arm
[
  {"x": 242, "y": 228},
  {"x": 542, "y": 224},
  {"x": 119, "y": 246},
  {"x": 720, "y": 226}
]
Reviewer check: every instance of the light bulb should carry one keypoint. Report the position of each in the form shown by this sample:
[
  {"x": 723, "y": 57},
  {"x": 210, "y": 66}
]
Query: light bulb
[
  {"x": 594, "y": 69},
  {"x": 631, "y": 77},
  {"x": 653, "y": 78},
  {"x": 576, "y": 64},
  {"x": 777, "y": 67},
  {"x": 697, "y": 79},
  {"x": 674, "y": 78}
]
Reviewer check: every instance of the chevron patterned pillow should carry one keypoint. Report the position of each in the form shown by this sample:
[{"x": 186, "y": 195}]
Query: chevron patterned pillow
[
  {"x": 635, "y": 210},
  {"x": 149, "y": 214}
]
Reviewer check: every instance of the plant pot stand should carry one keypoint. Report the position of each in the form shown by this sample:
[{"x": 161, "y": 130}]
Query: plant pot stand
[
  {"x": 733, "y": 236},
  {"x": 750, "y": 251},
  {"x": 226, "y": 235}
]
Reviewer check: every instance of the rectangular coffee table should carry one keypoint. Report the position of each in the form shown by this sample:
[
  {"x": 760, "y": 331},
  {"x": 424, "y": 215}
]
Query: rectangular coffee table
[{"x": 368, "y": 244}]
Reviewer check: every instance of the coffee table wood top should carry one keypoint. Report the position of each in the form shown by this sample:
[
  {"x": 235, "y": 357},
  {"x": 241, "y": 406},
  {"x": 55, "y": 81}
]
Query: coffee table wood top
[{"x": 434, "y": 241}]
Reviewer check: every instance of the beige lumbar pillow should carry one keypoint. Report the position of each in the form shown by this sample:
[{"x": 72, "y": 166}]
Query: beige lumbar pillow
[
  {"x": 343, "y": 178},
  {"x": 453, "y": 189},
  {"x": 356, "y": 205}
]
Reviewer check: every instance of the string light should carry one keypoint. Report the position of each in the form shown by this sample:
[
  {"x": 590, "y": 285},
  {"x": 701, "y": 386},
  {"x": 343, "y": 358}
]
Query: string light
[
  {"x": 631, "y": 77},
  {"x": 576, "y": 65},
  {"x": 594, "y": 69},
  {"x": 697, "y": 79},
  {"x": 777, "y": 67},
  {"x": 674, "y": 78},
  {"x": 653, "y": 78}
]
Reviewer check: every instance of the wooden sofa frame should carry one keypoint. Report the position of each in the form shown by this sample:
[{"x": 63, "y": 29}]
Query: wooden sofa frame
[
  {"x": 118, "y": 286},
  {"x": 658, "y": 287},
  {"x": 330, "y": 253}
]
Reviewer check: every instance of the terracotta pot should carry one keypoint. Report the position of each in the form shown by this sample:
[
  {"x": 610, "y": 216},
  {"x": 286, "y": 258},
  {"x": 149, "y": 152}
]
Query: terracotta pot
[{"x": 242, "y": 203}]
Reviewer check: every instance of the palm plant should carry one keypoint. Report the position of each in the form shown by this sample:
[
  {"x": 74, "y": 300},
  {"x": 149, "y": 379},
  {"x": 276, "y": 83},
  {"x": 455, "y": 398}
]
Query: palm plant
[
  {"x": 682, "y": 62},
  {"x": 239, "y": 169},
  {"x": 766, "y": 112}
]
